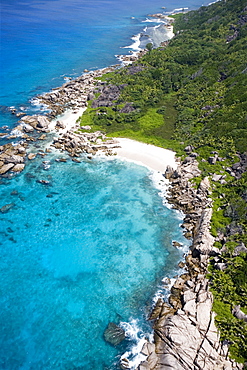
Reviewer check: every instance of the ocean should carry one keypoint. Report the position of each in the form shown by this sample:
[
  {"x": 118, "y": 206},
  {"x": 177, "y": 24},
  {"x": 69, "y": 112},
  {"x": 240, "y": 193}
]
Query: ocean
[{"x": 94, "y": 245}]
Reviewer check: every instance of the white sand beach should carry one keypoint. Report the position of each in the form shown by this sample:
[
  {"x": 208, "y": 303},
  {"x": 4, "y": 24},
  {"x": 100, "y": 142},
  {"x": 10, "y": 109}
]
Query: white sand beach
[{"x": 151, "y": 156}]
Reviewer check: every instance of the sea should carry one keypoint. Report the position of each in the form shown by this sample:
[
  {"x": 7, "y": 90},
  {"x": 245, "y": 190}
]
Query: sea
[{"x": 93, "y": 246}]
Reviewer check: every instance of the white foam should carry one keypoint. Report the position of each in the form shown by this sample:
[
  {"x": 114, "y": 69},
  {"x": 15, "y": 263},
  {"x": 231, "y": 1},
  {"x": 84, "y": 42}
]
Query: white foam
[
  {"x": 136, "y": 335},
  {"x": 16, "y": 132},
  {"x": 156, "y": 20},
  {"x": 136, "y": 43},
  {"x": 216, "y": 1},
  {"x": 38, "y": 105},
  {"x": 179, "y": 10}
]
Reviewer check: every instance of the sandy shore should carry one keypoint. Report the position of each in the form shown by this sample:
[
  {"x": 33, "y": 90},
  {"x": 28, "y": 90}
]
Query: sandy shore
[{"x": 153, "y": 157}]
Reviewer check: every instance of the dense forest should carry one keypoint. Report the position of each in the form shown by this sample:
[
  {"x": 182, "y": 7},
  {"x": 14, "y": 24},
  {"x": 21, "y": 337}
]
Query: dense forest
[{"x": 193, "y": 92}]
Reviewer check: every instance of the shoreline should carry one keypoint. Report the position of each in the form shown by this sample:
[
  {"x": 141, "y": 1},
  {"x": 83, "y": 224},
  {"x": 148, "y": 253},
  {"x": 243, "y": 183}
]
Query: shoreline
[
  {"x": 154, "y": 158},
  {"x": 186, "y": 308},
  {"x": 185, "y": 335},
  {"x": 62, "y": 123}
]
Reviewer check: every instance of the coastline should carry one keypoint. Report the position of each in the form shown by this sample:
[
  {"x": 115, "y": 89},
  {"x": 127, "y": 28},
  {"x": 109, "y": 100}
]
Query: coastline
[
  {"x": 185, "y": 335},
  {"x": 190, "y": 293},
  {"x": 62, "y": 122}
]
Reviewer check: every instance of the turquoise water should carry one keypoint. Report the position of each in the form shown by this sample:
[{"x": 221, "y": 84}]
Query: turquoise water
[{"x": 87, "y": 249}]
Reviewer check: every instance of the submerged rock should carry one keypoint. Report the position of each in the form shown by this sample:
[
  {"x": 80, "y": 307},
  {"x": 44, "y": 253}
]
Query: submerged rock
[
  {"x": 114, "y": 334},
  {"x": 7, "y": 207}
]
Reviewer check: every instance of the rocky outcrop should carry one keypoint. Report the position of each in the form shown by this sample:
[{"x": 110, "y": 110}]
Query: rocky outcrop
[
  {"x": 76, "y": 143},
  {"x": 238, "y": 168},
  {"x": 12, "y": 158},
  {"x": 128, "y": 59},
  {"x": 73, "y": 94},
  {"x": 39, "y": 123},
  {"x": 185, "y": 335},
  {"x": 109, "y": 94}
]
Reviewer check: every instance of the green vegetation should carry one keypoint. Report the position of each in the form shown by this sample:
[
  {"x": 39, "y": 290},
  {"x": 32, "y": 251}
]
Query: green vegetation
[{"x": 193, "y": 92}]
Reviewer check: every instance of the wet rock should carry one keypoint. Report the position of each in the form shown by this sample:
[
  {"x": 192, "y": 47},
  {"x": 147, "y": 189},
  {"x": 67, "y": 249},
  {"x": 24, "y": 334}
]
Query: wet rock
[
  {"x": 42, "y": 137},
  {"x": 44, "y": 182},
  {"x": 156, "y": 310},
  {"x": 114, "y": 334},
  {"x": 169, "y": 172},
  {"x": 31, "y": 156},
  {"x": 181, "y": 264},
  {"x": 175, "y": 301},
  {"x": 147, "y": 348},
  {"x": 14, "y": 192},
  {"x": 27, "y": 128},
  {"x": 7, "y": 207},
  {"x": 42, "y": 122},
  {"x": 21, "y": 150},
  {"x": 124, "y": 364}
]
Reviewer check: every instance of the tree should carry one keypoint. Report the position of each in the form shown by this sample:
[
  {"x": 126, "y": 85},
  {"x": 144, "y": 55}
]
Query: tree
[{"x": 149, "y": 46}]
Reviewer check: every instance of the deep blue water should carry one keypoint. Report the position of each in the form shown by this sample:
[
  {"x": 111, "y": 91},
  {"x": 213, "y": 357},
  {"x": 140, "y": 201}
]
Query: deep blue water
[{"x": 94, "y": 245}]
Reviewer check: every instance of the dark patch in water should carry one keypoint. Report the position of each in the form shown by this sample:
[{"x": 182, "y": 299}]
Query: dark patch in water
[
  {"x": 14, "y": 192},
  {"x": 29, "y": 175},
  {"x": 12, "y": 240}
]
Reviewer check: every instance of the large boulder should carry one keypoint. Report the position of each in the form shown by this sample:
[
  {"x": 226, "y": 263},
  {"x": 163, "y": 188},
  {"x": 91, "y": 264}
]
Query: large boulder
[
  {"x": 5, "y": 168},
  {"x": 43, "y": 122},
  {"x": 14, "y": 159},
  {"x": 18, "y": 167}
]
